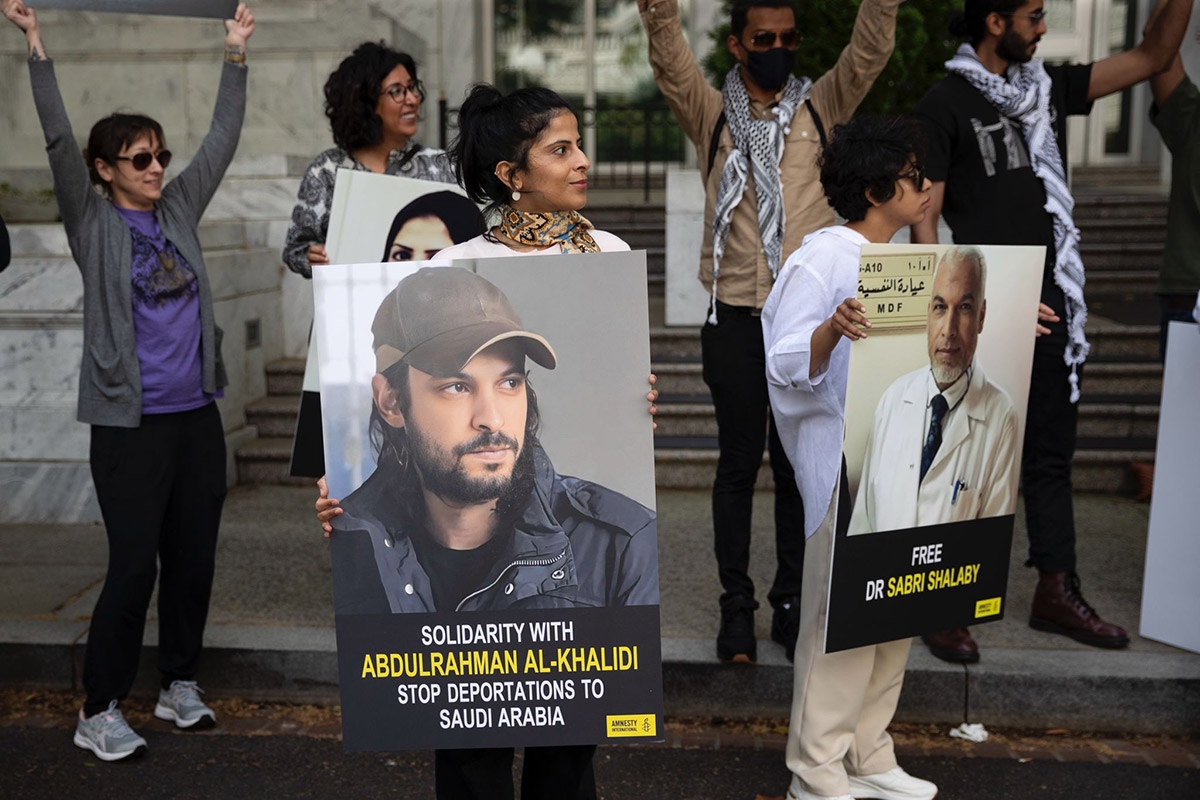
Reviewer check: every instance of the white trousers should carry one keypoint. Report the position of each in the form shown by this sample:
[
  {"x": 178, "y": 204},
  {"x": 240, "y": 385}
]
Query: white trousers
[{"x": 842, "y": 703}]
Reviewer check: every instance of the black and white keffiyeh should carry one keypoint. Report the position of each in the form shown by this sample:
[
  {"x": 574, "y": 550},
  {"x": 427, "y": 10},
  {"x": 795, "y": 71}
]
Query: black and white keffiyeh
[
  {"x": 758, "y": 145},
  {"x": 1023, "y": 94}
]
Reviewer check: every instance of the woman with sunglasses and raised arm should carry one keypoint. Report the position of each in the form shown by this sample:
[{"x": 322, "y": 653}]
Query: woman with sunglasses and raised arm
[
  {"x": 373, "y": 101},
  {"x": 150, "y": 375}
]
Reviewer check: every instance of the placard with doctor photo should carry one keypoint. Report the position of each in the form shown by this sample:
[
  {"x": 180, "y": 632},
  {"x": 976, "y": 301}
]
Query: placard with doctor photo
[{"x": 935, "y": 415}]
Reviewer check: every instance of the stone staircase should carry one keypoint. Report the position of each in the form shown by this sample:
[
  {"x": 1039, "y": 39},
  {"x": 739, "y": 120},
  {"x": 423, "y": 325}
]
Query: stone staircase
[
  {"x": 43, "y": 450},
  {"x": 1118, "y": 411}
]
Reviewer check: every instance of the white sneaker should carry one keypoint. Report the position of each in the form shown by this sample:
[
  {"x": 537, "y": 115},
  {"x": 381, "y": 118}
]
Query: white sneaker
[
  {"x": 108, "y": 735},
  {"x": 797, "y": 792},
  {"x": 895, "y": 784},
  {"x": 182, "y": 705}
]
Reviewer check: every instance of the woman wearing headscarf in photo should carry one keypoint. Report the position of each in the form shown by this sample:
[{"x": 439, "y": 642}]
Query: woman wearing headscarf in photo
[
  {"x": 373, "y": 102},
  {"x": 150, "y": 375}
]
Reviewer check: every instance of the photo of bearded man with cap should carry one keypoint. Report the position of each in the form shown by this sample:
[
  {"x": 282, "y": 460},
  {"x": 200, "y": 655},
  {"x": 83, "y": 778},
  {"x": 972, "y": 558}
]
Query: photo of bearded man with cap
[{"x": 465, "y": 511}]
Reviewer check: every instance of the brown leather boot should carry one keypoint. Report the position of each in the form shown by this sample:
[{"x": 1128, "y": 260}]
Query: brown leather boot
[
  {"x": 954, "y": 645},
  {"x": 1058, "y": 607}
]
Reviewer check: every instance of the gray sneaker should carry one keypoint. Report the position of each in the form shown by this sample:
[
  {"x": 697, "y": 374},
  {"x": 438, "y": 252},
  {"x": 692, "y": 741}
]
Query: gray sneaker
[
  {"x": 182, "y": 705},
  {"x": 108, "y": 735}
]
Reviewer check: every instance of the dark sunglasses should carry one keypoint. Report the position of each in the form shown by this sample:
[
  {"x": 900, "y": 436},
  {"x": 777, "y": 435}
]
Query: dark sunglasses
[
  {"x": 141, "y": 161},
  {"x": 916, "y": 175},
  {"x": 766, "y": 39}
]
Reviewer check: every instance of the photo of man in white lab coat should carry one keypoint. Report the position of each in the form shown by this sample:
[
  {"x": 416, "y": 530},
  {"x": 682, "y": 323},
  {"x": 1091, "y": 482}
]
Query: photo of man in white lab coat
[{"x": 944, "y": 446}]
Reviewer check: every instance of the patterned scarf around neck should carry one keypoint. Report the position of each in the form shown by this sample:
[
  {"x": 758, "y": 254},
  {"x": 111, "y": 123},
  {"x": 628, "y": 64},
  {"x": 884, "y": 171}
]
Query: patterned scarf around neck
[
  {"x": 1024, "y": 95},
  {"x": 569, "y": 229},
  {"x": 758, "y": 145}
]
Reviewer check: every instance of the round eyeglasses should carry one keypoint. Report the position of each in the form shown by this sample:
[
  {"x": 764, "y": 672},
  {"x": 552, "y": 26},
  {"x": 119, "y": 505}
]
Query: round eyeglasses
[{"x": 399, "y": 92}]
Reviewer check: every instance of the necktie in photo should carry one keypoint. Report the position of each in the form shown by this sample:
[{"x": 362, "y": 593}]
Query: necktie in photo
[{"x": 934, "y": 440}]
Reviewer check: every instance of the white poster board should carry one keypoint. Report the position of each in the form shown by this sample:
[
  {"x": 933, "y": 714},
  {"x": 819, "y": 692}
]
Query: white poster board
[
  {"x": 687, "y": 302},
  {"x": 1170, "y": 590}
]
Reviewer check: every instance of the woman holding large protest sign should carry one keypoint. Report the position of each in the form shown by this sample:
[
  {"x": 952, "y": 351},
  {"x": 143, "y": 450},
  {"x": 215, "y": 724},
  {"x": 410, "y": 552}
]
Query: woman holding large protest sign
[
  {"x": 373, "y": 101},
  {"x": 151, "y": 372},
  {"x": 519, "y": 154}
]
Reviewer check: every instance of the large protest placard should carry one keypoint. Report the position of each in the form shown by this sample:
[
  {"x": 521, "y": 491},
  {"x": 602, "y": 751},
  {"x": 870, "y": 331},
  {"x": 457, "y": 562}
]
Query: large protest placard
[
  {"x": 216, "y": 9},
  {"x": 935, "y": 417},
  {"x": 1170, "y": 592},
  {"x": 495, "y": 566},
  {"x": 376, "y": 217}
]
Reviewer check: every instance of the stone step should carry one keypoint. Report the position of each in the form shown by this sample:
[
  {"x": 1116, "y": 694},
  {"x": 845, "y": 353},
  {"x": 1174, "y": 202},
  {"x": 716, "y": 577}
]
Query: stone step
[
  {"x": 1111, "y": 420},
  {"x": 285, "y": 377},
  {"x": 1127, "y": 283},
  {"x": 1133, "y": 229},
  {"x": 1093, "y": 204},
  {"x": 680, "y": 379},
  {"x": 1145, "y": 256},
  {"x": 266, "y": 460},
  {"x": 1122, "y": 378},
  {"x": 1115, "y": 341},
  {"x": 274, "y": 415},
  {"x": 608, "y": 216}
]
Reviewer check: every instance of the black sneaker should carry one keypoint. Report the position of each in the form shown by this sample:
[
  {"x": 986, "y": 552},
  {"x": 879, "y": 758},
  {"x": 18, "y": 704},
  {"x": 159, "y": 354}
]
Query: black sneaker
[
  {"x": 735, "y": 641},
  {"x": 785, "y": 626}
]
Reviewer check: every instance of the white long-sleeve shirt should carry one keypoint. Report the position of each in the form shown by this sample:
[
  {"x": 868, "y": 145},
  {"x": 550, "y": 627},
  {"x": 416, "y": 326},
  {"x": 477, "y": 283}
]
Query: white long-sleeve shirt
[{"x": 809, "y": 412}]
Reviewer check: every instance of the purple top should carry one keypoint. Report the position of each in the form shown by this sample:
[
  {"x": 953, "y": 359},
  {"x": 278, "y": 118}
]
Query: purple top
[{"x": 166, "y": 320}]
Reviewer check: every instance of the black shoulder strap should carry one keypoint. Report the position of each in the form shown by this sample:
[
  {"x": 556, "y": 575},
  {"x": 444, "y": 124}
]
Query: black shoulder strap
[
  {"x": 407, "y": 157},
  {"x": 816, "y": 121},
  {"x": 712, "y": 145}
]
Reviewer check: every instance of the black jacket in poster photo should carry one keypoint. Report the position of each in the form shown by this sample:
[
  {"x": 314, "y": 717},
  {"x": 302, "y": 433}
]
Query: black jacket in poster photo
[{"x": 575, "y": 544}]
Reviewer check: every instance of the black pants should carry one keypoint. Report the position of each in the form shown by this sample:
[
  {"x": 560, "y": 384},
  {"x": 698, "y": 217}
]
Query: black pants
[
  {"x": 160, "y": 487},
  {"x": 735, "y": 371},
  {"x": 550, "y": 773},
  {"x": 1049, "y": 447}
]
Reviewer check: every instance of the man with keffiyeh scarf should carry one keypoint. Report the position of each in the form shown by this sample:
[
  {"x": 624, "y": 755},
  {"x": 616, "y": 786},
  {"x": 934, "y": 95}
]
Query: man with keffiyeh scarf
[
  {"x": 757, "y": 141},
  {"x": 997, "y": 158}
]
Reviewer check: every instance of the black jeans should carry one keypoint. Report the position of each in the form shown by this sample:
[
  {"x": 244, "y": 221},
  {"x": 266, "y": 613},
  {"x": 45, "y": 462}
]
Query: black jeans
[
  {"x": 160, "y": 487},
  {"x": 549, "y": 773},
  {"x": 1049, "y": 447},
  {"x": 735, "y": 371}
]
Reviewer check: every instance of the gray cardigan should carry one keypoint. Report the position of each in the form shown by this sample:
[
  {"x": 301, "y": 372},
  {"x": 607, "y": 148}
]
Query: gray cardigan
[{"x": 110, "y": 380}]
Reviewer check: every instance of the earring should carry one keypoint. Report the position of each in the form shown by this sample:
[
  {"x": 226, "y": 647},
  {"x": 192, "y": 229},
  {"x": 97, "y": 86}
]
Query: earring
[{"x": 516, "y": 196}]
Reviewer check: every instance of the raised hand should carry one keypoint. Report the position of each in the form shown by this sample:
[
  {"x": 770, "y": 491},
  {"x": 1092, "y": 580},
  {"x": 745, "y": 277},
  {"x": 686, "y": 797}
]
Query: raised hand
[
  {"x": 240, "y": 28},
  {"x": 20, "y": 15}
]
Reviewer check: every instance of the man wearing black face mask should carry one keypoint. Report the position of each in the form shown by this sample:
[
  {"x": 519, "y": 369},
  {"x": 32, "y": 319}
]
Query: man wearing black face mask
[{"x": 757, "y": 143}]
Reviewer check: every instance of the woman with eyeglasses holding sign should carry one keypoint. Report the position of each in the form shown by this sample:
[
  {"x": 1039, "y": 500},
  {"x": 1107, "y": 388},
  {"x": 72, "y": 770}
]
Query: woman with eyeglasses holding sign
[
  {"x": 373, "y": 101},
  {"x": 150, "y": 376}
]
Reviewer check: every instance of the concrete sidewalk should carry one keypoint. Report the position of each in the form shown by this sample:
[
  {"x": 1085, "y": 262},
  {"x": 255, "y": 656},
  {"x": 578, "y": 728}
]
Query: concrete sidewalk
[{"x": 270, "y": 632}]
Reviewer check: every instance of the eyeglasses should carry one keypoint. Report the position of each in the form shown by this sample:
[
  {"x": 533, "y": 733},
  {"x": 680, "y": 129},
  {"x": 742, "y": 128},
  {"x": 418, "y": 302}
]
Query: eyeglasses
[
  {"x": 399, "y": 93},
  {"x": 916, "y": 175},
  {"x": 766, "y": 39},
  {"x": 1036, "y": 17},
  {"x": 141, "y": 161}
]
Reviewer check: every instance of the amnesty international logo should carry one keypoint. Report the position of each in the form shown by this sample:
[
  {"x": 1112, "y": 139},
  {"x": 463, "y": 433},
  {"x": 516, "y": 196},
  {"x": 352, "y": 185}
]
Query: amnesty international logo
[
  {"x": 987, "y": 608},
  {"x": 631, "y": 725}
]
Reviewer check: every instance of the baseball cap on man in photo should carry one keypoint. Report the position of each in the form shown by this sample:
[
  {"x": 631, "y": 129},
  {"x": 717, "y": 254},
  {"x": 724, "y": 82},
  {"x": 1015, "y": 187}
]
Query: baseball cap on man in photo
[{"x": 439, "y": 318}]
